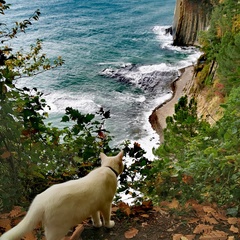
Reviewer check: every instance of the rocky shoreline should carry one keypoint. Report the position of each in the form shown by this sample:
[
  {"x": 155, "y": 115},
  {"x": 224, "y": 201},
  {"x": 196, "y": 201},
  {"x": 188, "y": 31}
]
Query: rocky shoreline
[{"x": 180, "y": 87}]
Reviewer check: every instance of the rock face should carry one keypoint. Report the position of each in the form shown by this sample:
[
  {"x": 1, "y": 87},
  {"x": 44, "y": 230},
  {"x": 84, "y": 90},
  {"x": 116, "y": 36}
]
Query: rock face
[{"x": 190, "y": 17}]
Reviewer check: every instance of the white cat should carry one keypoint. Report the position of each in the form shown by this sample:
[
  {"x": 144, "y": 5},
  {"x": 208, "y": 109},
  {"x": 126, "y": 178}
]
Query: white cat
[{"x": 64, "y": 205}]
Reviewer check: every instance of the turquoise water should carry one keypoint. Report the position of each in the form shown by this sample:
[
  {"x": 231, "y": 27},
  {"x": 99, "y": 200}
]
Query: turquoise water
[{"x": 116, "y": 54}]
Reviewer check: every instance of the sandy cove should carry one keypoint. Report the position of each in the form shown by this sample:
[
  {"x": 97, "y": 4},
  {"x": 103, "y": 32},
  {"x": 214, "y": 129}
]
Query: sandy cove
[{"x": 180, "y": 87}]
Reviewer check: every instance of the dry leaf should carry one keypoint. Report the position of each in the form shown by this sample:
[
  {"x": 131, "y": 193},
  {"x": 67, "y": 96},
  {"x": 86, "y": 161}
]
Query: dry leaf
[
  {"x": 177, "y": 236},
  {"x": 202, "y": 228},
  {"x": 145, "y": 215},
  {"x": 219, "y": 216},
  {"x": 193, "y": 220},
  {"x": 174, "y": 204},
  {"x": 198, "y": 209},
  {"x": 183, "y": 237},
  {"x": 232, "y": 220},
  {"x": 16, "y": 212},
  {"x": 215, "y": 235},
  {"x": 125, "y": 208},
  {"x": 5, "y": 223},
  {"x": 208, "y": 209},
  {"x": 187, "y": 179},
  {"x": 131, "y": 233},
  {"x": 158, "y": 209},
  {"x": 144, "y": 224},
  {"x": 77, "y": 233},
  {"x": 5, "y": 155},
  {"x": 209, "y": 220},
  {"x": 234, "y": 229},
  {"x": 29, "y": 236},
  {"x": 231, "y": 238},
  {"x": 115, "y": 208},
  {"x": 190, "y": 237}
]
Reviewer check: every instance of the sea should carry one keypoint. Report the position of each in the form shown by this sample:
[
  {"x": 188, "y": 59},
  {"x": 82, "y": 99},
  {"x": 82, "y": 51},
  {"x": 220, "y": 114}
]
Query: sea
[{"x": 117, "y": 56}]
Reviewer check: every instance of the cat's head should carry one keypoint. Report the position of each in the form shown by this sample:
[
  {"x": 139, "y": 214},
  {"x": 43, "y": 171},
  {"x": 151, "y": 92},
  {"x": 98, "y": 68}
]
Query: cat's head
[{"x": 115, "y": 162}]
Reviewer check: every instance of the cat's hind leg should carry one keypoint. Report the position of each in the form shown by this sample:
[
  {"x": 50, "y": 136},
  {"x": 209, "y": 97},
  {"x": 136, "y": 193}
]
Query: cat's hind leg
[
  {"x": 106, "y": 212},
  {"x": 55, "y": 233},
  {"x": 96, "y": 219}
]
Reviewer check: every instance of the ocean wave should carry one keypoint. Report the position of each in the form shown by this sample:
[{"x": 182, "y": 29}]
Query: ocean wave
[{"x": 150, "y": 78}]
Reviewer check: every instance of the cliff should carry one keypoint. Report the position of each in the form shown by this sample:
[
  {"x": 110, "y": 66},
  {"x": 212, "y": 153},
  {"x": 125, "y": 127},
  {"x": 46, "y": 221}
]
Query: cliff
[{"x": 190, "y": 17}]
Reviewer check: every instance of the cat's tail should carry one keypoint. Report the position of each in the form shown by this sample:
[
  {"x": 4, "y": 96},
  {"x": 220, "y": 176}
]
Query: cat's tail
[{"x": 33, "y": 217}]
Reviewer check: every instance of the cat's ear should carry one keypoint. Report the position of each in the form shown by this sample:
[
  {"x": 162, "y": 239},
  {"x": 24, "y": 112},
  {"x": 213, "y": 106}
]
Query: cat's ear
[
  {"x": 120, "y": 155},
  {"x": 102, "y": 156}
]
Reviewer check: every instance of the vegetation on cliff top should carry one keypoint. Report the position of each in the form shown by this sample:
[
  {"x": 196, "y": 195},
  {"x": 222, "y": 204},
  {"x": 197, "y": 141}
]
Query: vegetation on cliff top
[{"x": 196, "y": 160}]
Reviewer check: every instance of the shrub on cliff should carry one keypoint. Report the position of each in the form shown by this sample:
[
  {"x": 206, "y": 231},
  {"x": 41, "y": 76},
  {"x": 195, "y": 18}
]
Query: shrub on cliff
[
  {"x": 221, "y": 42},
  {"x": 202, "y": 165},
  {"x": 33, "y": 154}
]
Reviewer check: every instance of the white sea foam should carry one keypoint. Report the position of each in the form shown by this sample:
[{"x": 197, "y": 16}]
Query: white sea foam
[
  {"x": 162, "y": 67},
  {"x": 165, "y": 40},
  {"x": 59, "y": 101}
]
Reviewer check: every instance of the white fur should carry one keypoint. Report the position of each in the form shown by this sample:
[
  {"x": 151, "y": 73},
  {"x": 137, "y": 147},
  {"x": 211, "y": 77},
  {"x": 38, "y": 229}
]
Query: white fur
[{"x": 64, "y": 205}]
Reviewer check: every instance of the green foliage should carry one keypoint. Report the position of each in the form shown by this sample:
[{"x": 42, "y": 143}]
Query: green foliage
[
  {"x": 221, "y": 42},
  {"x": 202, "y": 162},
  {"x": 33, "y": 154}
]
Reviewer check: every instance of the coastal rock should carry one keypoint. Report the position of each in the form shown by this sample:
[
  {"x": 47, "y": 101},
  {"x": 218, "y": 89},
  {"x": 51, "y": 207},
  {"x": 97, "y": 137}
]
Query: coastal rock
[
  {"x": 190, "y": 17},
  {"x": 151, "y": 79}
]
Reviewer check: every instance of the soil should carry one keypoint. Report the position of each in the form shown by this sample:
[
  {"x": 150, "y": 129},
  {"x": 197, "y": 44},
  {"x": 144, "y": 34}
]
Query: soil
[
  {"x": 168, "y": 221},
  {"x": 153, "y": 226}
]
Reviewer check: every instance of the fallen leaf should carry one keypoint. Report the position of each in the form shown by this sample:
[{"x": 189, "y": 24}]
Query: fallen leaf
[
  {"x": 125, "y": 208},
  {"x": 5, "y": 155},
  {"x": 115, "y": 208},
  {"x": 232, "y": 220},
  {"x": 131, "y": 233},
  {"x": 187, "y": 179},
  {"x": 193, "y": 220},
  {"x": 215, "y": 235},
  {"x": 219, "y": 216},
  {"x": 147, "y": 205},
  {"x": 145, "y": 215},
  {"x": 29, "y": 236},
  {"x": 16, "y": 212},
  {"x": 183, "y": 237},
  {"x": 144, "y": 224},
  {"x": 210, "y": 220},
  {"x": 231, "y": 238},
  {"x": 208, "y": 209},
  {"x": 174, "y": 204},
  {"x": 202, "y": 228},
  {"x": 190, "y": 237},
  {"x": 198, "y": 209},
  {"x": 177, "y": 236},
  {"x": 4, "y": 223},
  {"x": 234, "y": 229},
  {"x": 77, "y": 233},
  {"x": 162, "y": 212}
]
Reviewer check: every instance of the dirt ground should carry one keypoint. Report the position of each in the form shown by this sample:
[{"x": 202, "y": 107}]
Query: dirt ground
[
  {"x": 168, "y": 221},
  {"x": 155, "y": 223}
]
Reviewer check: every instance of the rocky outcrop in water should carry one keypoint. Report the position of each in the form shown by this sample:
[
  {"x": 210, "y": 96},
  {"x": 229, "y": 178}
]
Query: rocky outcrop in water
[
  {"x": 151, "y": 79},
  {"x": 190, "y": 17}
]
